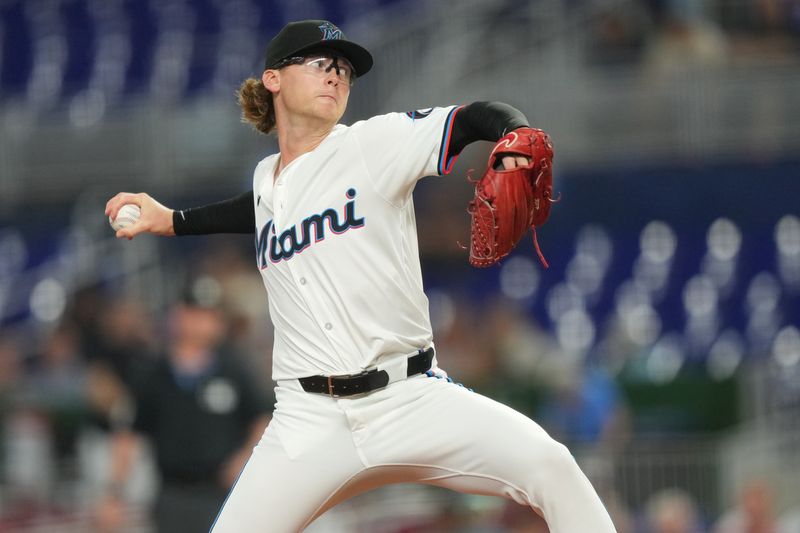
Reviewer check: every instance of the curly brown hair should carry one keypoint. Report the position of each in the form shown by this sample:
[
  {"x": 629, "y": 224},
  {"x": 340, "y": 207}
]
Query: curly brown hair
[{"x": 257, "y": 106}]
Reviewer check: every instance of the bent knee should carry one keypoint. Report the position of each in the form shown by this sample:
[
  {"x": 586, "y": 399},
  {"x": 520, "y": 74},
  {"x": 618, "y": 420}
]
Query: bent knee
[
  {"x": 551, "y": 461},
  {"x": 547, "y": 467}
]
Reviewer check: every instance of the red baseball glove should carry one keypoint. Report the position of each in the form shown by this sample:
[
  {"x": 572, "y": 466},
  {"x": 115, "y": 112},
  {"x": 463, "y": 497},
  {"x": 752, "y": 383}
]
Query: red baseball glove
[{"x": 508, "y": 202}]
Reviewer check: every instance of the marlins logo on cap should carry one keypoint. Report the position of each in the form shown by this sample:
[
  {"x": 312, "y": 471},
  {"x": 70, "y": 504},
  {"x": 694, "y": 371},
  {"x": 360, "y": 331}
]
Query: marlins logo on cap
[{"x": 330, "y": 32}]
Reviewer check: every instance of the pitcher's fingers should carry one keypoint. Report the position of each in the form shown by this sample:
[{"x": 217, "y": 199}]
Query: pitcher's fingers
[
  {"x": 127, "y": 233},
  {"x": 112, "y": 202},
  {"x": 523, "y": 161},
  {"x": 133, "y": 230},
  {"x": 123, "y": 198},
  {"x": 509, "y": 162},
  {"x": 113, "y": 206},
  {"x": 117, "y": 201}
]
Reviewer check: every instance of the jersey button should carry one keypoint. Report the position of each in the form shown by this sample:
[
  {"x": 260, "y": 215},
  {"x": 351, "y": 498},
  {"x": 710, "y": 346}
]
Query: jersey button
[
  {"x": 328, "y": 326},
  {"x": 302, "y": 281}
]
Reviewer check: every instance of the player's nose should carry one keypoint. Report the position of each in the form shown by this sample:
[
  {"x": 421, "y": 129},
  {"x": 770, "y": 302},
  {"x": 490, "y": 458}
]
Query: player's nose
[{"x": 332, "y": 77}]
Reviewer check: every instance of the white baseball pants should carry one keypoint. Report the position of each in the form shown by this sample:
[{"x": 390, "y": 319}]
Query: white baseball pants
[{"x": 319, "y": 451}]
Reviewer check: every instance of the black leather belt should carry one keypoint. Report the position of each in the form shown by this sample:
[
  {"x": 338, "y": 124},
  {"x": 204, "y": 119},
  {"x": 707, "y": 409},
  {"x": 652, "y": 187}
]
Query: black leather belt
[{"x": 366, "y": 381}]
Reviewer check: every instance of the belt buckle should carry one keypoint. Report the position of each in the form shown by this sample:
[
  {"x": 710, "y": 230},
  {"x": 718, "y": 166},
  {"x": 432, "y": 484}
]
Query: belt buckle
[{"x": 347, "y": 376}]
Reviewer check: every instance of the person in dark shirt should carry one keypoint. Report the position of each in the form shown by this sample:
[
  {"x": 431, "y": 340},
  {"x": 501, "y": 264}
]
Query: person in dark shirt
[{"x": 202, "y": 411}]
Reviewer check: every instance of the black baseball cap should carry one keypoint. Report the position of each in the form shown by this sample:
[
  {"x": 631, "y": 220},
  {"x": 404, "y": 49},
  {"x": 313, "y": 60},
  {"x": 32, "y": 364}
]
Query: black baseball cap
[{"x": 303, "y": 36}]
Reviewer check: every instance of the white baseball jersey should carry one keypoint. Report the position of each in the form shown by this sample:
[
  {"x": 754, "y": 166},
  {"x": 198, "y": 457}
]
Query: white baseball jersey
[
  {"x": 337, "y": 247},
  {"x": 337, "y": 244}
]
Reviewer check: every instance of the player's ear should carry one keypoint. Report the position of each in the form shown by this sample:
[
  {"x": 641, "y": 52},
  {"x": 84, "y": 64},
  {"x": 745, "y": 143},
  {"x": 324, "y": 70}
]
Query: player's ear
[{"x": 271, "y": 80}]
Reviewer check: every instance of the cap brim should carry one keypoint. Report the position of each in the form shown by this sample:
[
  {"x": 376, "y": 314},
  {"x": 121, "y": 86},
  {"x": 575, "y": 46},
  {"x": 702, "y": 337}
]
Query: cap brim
[{"x": 358, "y": 56}]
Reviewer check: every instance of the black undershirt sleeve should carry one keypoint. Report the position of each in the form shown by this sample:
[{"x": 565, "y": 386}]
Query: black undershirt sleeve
[
  {"x": 235, "y": 215},
  {"x": 483, "y": 121}
]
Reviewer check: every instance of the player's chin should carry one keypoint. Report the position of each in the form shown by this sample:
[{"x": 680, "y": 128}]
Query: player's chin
[
  {"x": 329, "y": 109},
  {"x": 329, "y": 102}
]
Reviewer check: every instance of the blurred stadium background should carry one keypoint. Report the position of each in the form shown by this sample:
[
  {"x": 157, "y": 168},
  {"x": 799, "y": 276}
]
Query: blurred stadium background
[{"x": 662, "y": 345}]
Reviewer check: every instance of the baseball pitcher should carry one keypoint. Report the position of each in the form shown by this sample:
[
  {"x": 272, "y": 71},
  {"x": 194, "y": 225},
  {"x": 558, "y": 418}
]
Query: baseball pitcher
[{"x": 361, "y": 400}]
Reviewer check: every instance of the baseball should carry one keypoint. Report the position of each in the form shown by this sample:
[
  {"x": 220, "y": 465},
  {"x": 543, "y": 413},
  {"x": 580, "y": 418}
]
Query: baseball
[{"x": 128, "y": 215}]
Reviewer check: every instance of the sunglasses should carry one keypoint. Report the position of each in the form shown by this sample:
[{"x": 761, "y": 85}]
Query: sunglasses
[{"x": 321, "y": 65}]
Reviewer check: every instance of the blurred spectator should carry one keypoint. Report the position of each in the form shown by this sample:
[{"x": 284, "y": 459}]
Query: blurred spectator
[
  {"x": 121, "y": 340},
  {"x": 586, "y": 408},
  {"x": 43, "y": 410},
  {"x": 519, "y": 519},
  {"x": 202, "y": 411},
  {"x": 462, "y": 347},
  {"x": 672, "y": 511},
  {"x": 124, "y": 337},
  {"x": 620, "y": 514},
  {"x": 108, "y": 398},
  {"x": 250, "y": 331},
  {"x": 765, "y": 28},
  {"x": 754, "y": 512},
  {"x": 685, "y": 38},
  {"x": 617, "y": 35},
  {"x": 29, "y": 470},
  {"x": 55, "y": 386},
  {"x": 527, "y": 358},
  {"x": 10, "y": 370},
  {"x": 85, "y": 309}
]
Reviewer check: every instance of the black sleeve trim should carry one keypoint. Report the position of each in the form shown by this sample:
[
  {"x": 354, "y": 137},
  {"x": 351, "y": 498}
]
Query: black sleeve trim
[
  {"x": 235, "y": 215},
  {"x": 483, "y": 121}
]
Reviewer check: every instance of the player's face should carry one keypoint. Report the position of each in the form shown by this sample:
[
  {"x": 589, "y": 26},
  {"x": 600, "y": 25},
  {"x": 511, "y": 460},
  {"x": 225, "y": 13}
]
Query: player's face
[{"x": 317, "y": 86}]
